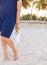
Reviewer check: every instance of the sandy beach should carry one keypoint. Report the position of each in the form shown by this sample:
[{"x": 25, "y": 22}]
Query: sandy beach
[{"x": 32, "y": 48}]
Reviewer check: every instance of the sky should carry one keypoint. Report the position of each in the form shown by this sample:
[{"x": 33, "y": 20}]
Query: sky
[{"x": 25, "y": 11}]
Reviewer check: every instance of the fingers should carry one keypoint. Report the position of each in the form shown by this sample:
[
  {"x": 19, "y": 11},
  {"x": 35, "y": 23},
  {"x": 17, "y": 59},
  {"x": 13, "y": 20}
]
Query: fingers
[{"x": 17, "y": 28}]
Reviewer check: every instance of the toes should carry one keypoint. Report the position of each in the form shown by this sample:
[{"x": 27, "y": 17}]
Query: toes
[{"x": 16, "y": 58}]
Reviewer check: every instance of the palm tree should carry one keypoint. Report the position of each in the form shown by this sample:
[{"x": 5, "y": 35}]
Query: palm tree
[
  {"x": 26, "y": 3},
  {"x": 41, "y": 4}
]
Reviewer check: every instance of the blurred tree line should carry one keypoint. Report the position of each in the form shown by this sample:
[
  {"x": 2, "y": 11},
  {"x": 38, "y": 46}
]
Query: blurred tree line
[
  {"x": 39, "y": 4},
  {"x": 34, "y": 17}
]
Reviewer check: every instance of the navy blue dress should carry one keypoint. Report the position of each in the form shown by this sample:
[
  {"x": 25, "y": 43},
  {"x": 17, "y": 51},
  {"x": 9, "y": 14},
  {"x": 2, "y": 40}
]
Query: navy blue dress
[{"x": 8, "y": 11}]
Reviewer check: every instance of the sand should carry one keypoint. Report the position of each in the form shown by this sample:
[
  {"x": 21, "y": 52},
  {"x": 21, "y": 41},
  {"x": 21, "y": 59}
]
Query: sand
[{"x": 32, "y": 48}]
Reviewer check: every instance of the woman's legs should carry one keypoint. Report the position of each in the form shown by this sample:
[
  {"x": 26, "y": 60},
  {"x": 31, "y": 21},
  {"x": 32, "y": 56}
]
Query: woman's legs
[
  {"x": 8, "y": 41},
  {"x": 4, "y": 46}
]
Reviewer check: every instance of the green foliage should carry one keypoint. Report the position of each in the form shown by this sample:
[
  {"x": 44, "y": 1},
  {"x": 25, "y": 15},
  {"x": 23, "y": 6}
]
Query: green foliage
[
  {"x": 34, "y": 17},
  {"x": 25, "y": 17},
  {"x": 43, "y": 18}
]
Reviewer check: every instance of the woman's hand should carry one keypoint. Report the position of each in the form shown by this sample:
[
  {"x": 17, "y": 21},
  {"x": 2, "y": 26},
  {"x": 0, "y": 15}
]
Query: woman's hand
[{"x": 17, "y": 27}]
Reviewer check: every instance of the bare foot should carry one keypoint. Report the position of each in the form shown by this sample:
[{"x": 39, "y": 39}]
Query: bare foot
[
  {"x": 16, "y": 55},
  {"x": 15, "y": 58},
  {"x": 6, "y": 57}
]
